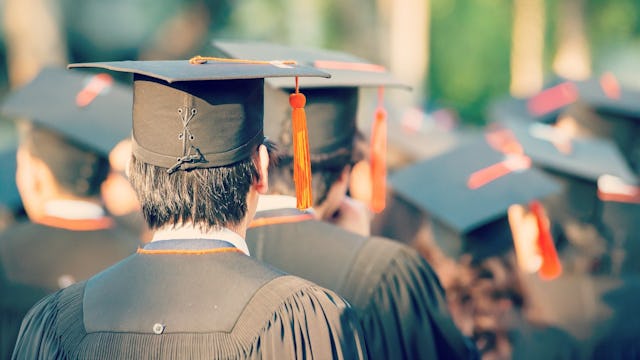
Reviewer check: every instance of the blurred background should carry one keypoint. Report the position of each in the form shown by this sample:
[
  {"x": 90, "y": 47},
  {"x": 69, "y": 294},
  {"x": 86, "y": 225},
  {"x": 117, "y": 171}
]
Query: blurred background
[
  {"x": 460, "y": 57},
  {"x": 457, "y": 55}
]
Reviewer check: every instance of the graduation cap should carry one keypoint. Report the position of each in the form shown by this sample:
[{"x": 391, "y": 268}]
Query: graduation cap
[
  {"x": 204, "y": 112},
  {"x": 576, "y": 162},
  {"x": 89, "y": 109},
  {"x": 332, "y": 103},
  {"x": 614, "y": 114},
  {"x": 467, "y": 193},
  {"x": 545, "y": 106}
]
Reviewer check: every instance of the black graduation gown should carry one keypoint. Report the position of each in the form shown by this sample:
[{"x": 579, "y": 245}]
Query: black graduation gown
[
  {"x": 398, "y": 298},
  {"x": 36, "y": 260},
  {"x": 190, "y": 299}
]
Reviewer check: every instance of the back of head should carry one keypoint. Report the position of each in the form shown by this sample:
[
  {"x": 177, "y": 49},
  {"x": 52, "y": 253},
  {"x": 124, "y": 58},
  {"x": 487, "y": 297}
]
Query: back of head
[
  {"x": 77, "y": 169},
  {"x": 210, "y": 197},
  {"x": 331, "y": 114}
]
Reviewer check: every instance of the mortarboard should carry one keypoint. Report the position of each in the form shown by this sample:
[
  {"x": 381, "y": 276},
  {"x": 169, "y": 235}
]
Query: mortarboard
[
  {"x": 332, "y": 103},
  {"x": 467, "y": 192},
  {"x": 614, "y": 114},
  {"x": 89, "y": 109},
  {"x": 200, "y": 113},
  {"x": 576, "y": 162},
  {"x": 597, "y": 107},
  {"x": 545, "y": 106}
]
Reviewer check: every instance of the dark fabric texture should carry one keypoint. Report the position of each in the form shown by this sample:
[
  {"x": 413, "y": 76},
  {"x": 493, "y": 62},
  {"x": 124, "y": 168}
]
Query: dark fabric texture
[
  {"x": 218, "y": 124},
  {"x": 397, "y": 296},
  {"x": 331, "y": 118},
  {"x": 36, "y": 260},
  {"x": 281, "y": 317}
]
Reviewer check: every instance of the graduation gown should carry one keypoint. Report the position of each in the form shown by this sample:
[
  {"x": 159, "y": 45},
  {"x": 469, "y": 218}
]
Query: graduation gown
[
  {"x": 37, "y": 259},
  {"x": 397, "y": 296},
  {"x": 190, "y": 299}
]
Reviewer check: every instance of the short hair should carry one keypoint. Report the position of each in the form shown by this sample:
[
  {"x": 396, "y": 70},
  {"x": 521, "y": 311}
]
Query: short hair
[
  {"x": 77, "y": 168},
  {"x": 210, "y": 198},
  {"x": 325, "y": 171}
]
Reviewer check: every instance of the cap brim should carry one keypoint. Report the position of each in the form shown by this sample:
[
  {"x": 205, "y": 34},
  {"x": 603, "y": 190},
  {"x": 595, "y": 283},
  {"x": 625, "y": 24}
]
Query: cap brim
[
  {"x": 346, "y": 70},
  {"x": 439, "y": 186},
  {"x": 50, "y": 101},
  {"x": 589, "y": 158},
  {"x": 181, "y": 70}
]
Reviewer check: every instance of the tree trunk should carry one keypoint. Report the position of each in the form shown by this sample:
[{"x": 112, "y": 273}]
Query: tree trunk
[
  {"x": 572, "y": 59},
  {"x": 407, "y": 45},
  {"x": 527, "y": 47}
]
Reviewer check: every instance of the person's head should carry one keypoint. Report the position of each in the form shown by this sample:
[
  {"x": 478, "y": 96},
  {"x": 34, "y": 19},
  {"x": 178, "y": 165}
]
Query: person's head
[
  {"x": 331, "y": 114},
  {"x": 223, "y": 196},
  {"x": 332, "y": 105},
  {"x": 75, "y": 118},
  {"x": 198, "y": 153},
  {"x": 51, "y": 166}
]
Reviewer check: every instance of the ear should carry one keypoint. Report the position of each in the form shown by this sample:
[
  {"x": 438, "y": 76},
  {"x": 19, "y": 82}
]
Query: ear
[{"x": 262, "y": 185}]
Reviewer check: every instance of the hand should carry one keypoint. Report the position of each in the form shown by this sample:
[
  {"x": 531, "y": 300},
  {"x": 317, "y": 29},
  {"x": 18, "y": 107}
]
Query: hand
[{"x": 353, "y": 216}]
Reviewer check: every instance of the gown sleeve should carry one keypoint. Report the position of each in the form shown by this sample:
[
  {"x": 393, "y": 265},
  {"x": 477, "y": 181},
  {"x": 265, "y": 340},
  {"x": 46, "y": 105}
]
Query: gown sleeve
[
  {"x": 311, "y": 323},
  {"x": 37, "y": 337},
  {"x": 403, "y": 311}
]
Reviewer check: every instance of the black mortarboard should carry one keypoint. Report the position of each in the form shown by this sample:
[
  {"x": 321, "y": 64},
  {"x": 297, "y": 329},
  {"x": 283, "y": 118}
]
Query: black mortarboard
[
  {"x": 576, "y": 162},
  {"x": 467, "y": 191},
  {"x": 614, "y": 114},
  {"x": 332, "y": 103},
  {"x": 89, "y": 109},
  {"x": 585, "y": 158},
  {"x": 199, "y": 114},
  {"x": 605, "y": 94},
  {"x": 346, "y": 70},
  {"x": 544, "y": 106}
]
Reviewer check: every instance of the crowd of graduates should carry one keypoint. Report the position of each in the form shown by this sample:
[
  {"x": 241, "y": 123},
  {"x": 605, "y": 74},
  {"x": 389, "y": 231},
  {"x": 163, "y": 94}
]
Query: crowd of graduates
[{"x": 517, "y": 241}]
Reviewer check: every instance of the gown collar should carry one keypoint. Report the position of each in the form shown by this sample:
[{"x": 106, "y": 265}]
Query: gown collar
[{"x": 189, "y": 232}]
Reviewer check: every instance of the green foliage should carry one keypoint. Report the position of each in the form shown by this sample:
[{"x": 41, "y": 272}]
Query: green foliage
[{"x": 470, "y": 45}]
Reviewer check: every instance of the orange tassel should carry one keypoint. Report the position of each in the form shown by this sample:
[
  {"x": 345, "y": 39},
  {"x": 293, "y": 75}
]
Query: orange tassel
[
  {"x": 301, "y": 160},
  {"x": 379, "y": 157},
  {"x": 551, "y": 267}
]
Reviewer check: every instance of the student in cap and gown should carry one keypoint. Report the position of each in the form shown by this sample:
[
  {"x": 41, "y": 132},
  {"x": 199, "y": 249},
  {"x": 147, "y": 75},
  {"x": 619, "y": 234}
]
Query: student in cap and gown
[
  {"x": 397, "y": 296},
  {"x": 577, "y": 163},
  {"x": 198, "y": 167},
  {"x": 61, "y": 163},
  {"x": 591, "y": 254},
  {"x": 468, "y": 194}
]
